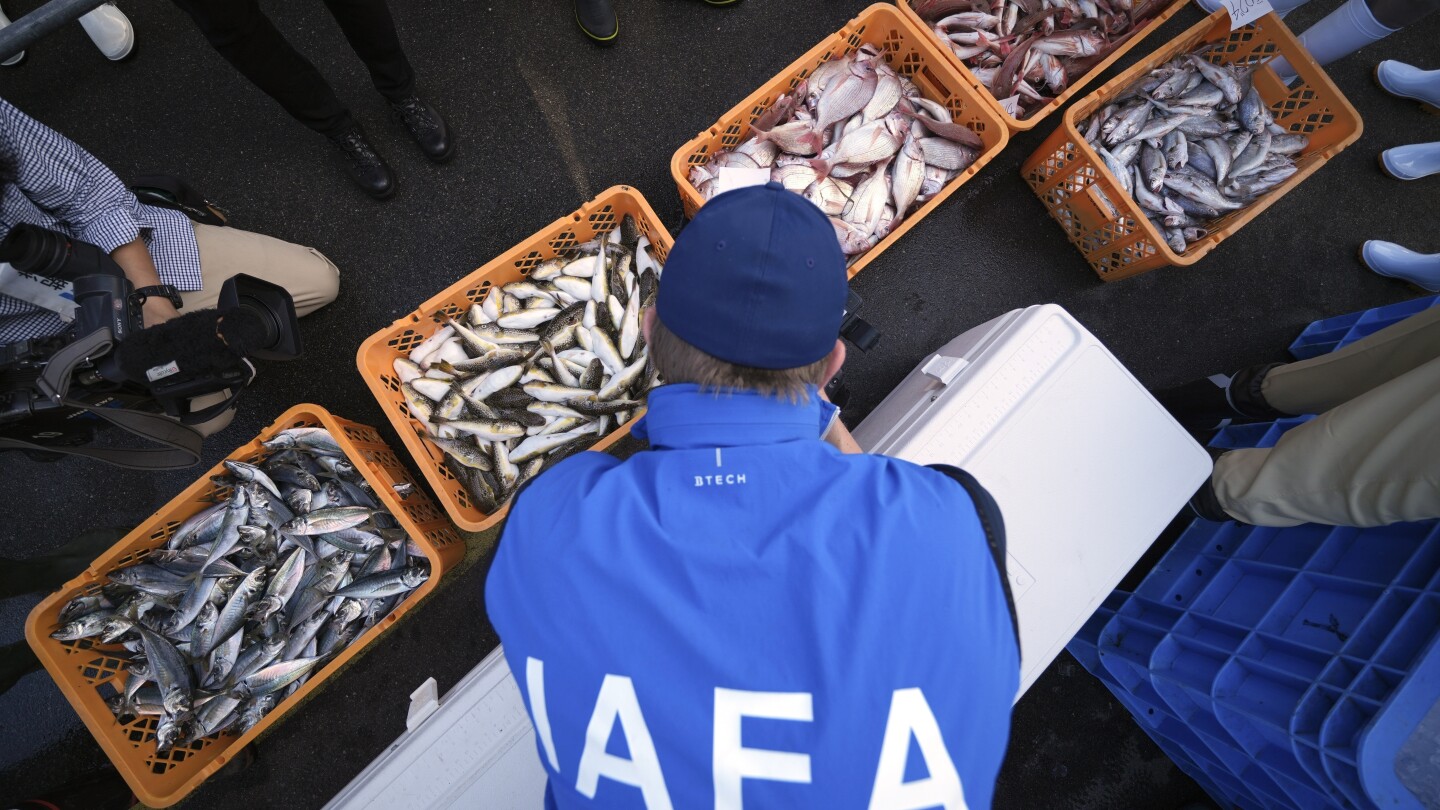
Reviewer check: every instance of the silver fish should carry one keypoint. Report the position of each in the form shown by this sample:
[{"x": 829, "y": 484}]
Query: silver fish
[
  {"x": 1252, "y": 113},
  {"x": 1152, "y": 168},
  {"x": 1221, "y": 77},
  {"x": 170, "y": 669},
  {"x": 1254, "y": 154},
  {"x": 257, "y": 656},
  {"x": 1256, "y": 184},
  {"x": 1177, "y": 150},
  {"x": 249, "y": 472},
  {"x": 1200, "y": 189},
  {"x": 315, "y": 439},
  {"x": 1124, "y": 125},
  {"x": 1204, "y": 95},
  {"x": 1200, "y": 127},
  {"x": 275, "y": 677},
  {"x": 232, "y": 616},
  {"x": 84, "y": 627},
  {"x": 384, "y": 584},
  {"x": 1289, "y": 144},
  {"x": 329, "y": 519},
  {"x": 1220, "y": 157}
]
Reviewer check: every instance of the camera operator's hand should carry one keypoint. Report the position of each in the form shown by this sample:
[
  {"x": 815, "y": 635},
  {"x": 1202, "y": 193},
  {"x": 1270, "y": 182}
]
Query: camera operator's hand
[
  {"x": 157, "y": 310},
  {"x": 134, "y": 258}
]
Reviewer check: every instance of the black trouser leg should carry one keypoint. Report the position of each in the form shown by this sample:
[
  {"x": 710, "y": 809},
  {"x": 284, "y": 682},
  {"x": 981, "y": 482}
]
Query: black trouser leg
[
  {"x": 16, "y": 661},
  {"x": 371, "y": 31},
  {"x": 1400, "y": 13},
  {"x": 241, "y": 32}
]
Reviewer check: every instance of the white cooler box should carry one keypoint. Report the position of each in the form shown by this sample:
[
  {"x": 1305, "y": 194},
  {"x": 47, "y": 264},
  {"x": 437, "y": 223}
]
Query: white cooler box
[
  {"x": 1085, "y": 464},
  {"x": 475, "y": 749},
  {"x": 1087, "y": 467}
]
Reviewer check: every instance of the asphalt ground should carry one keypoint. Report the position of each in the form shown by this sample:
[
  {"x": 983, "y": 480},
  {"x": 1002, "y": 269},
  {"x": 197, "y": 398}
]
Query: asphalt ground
[{"x": 546, "y": 121}]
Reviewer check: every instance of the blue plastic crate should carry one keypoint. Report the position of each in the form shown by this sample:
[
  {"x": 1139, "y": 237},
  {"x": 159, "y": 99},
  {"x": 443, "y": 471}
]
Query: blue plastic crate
[
  {"x": 1330, "y": 334},
  {"x": 1264, "y": 657},
  {"x": 1284, "y": 668},
  {"x": 1287, "y": 668}
]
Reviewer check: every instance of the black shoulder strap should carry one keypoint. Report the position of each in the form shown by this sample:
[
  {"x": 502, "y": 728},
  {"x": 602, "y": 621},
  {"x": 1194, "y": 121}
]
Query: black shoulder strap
[
  {"x": 179, "y": 445},
  {"x": 994, "y": 525},
  {"x": 169, "y": 191}
]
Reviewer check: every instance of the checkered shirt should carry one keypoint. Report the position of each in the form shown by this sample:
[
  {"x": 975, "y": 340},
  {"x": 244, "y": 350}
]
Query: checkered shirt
[{"x": 47, "y": 180}]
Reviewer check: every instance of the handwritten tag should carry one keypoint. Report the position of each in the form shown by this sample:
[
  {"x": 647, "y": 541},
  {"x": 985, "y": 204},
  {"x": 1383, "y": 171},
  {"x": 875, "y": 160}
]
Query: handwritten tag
[
  {"x": 1244, "y": 12},
  {"x": 731, "y": 178},
  {"x": 43, "y": 291}
]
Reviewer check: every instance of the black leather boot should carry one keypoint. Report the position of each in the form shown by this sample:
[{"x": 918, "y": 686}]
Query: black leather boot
[
  {"x": 597, "y": 19},
  {"x": 368, "y": 169},
  {"x": 1205, "y": 503},
  {"x": 1210, "y": 403},
  {"x": 427, "y": 128}
]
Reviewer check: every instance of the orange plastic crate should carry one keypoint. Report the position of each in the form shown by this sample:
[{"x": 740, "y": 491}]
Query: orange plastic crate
[
  {"x": 88, "y": 673},
  {"x": 1024, "y": 124},
  {"x": 1069, "y": 176},
  {"x": 911, "y": 51},
  {"x": 378, "y": 353}
]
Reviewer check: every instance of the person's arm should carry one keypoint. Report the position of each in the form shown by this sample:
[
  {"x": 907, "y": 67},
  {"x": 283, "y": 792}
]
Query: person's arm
[
  {"x": 838, "y": 436},
  {"x": 993, "y": 523},
  {"x": 134, "y": 258},
  {"x": 58, "y": 175}
]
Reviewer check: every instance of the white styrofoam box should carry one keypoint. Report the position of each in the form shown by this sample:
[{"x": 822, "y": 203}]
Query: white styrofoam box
[
  {"x": 1086, "y": 466},
  {"x": 473, "y": 749}
]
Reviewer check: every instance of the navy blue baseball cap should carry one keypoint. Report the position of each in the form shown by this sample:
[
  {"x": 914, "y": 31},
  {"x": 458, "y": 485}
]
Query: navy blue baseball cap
[{"x": 757, "y": 279}]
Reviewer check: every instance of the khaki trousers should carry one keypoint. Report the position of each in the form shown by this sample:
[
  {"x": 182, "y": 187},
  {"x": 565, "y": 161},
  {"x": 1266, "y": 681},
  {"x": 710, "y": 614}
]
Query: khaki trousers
[
  {"x": 312, "y": 280},
  {"x": 1370, "y": 458}
]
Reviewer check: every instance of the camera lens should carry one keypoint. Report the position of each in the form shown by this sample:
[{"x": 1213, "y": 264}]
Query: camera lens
[
  {"x": 269, "y": 311},
  {"x": 265, "y": 317},
  {"x": 35, "y": 250}
]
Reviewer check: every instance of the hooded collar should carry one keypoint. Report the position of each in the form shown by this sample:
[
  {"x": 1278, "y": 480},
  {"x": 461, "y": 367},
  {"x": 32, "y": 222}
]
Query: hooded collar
[{"x": 681, "y": 416}]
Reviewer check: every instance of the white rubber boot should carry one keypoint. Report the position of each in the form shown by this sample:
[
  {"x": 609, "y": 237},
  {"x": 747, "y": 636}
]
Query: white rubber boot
[
  {"x": 110, "y": 30},
  {"x": 17, "y": 58},
  {"x": 1408, "y": 81},
  {"x": 1412, "y": 161},
  {"x": 1346, "y": 30},
  {"x": 1390, "y": 259}
]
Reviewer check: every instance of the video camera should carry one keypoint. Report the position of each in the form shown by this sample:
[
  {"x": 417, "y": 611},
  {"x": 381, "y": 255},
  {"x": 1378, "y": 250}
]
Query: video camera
[
  {"x": 861, "y": 335},
  {"x": 106, "y": 358}
]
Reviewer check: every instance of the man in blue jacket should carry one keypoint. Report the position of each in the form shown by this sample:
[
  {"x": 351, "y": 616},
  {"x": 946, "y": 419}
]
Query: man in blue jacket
[{"x": 744, "y": 615}]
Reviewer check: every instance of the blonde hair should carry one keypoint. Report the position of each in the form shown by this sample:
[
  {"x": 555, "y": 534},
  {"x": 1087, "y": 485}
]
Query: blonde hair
[{"x": 679, "y": 362}]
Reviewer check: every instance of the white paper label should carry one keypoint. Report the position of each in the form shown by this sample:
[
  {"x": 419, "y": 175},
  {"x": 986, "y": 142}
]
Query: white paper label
[
  {"x": 731, "y": 178},
  {"x": 161, "y": 372},
  {"x": 50, "y": 293},
  {"x": 1244, "y": 12}
]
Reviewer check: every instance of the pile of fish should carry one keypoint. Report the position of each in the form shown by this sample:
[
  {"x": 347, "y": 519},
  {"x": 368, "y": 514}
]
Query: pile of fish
[
  {"x": 858, "y": 140},
  {"x": 540, "y": 369},
  {"x": 251, "y": 596},
  {"x": 1192, "y": 142},
  {"x": 1026, "y": 52}
]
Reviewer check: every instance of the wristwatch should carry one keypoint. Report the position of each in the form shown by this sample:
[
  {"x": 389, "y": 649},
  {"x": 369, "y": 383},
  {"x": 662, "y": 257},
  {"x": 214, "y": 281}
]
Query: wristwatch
[{"x": 162, "y": 290}]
